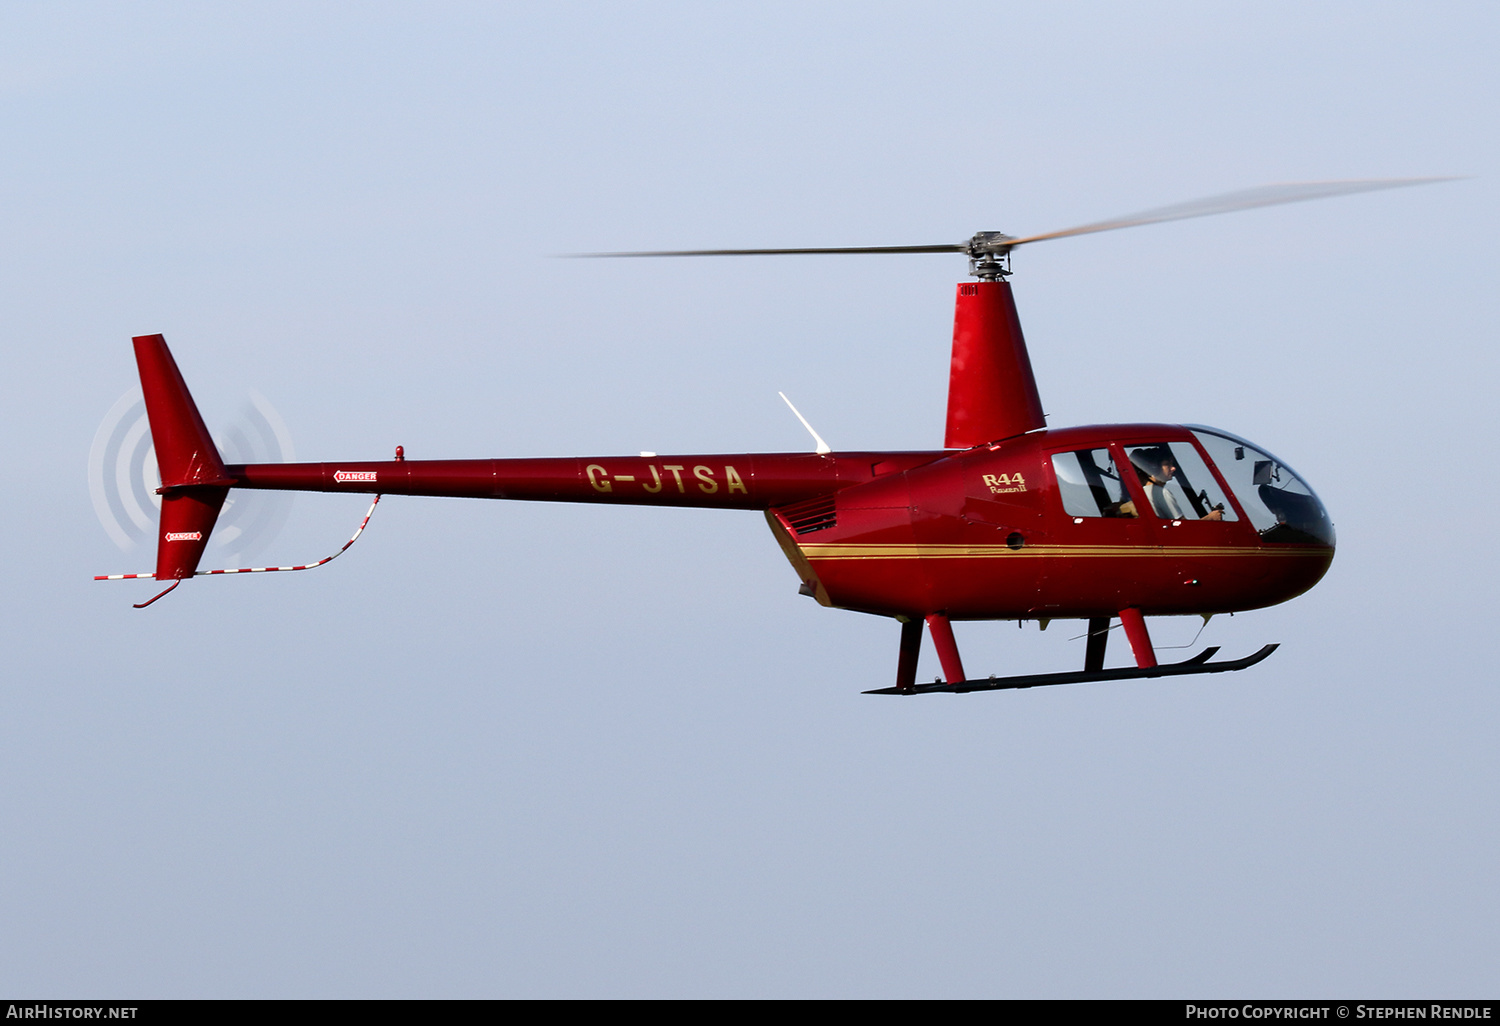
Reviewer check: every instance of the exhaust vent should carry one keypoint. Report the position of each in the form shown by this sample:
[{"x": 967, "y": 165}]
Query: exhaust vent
[{"x": 812, "y": 515}]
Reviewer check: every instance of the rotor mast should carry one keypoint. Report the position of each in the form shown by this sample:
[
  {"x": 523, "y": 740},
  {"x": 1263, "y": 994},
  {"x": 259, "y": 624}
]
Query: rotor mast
[{"x": 992, "y": 393}]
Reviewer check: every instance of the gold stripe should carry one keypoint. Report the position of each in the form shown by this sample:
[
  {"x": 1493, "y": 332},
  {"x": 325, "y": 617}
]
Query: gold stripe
[{"x": 898, "y": 551}]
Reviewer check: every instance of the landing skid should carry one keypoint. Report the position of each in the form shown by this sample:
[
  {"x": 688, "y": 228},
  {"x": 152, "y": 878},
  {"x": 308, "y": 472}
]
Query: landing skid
[{"x": 1197, "y": 664}]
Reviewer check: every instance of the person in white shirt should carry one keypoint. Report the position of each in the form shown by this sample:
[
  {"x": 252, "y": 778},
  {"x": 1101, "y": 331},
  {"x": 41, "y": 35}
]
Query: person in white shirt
[{"x": 1157, "y": 467}]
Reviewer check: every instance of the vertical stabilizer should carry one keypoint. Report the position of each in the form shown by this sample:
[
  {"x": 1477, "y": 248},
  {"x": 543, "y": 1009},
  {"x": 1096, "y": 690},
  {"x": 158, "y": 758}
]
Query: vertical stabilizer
[
  {"x": 193, "y": 480},
  {"x": 185, "y": 453},
  {"x": 991, "y": 390}
]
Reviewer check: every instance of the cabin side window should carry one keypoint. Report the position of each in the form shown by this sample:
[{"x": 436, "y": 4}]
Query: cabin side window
[{"x": 1090, "y": 484}]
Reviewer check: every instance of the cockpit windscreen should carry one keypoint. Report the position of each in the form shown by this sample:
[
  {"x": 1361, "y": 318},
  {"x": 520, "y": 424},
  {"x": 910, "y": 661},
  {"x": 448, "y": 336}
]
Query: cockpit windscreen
[{"x": 1278, "y": 502}]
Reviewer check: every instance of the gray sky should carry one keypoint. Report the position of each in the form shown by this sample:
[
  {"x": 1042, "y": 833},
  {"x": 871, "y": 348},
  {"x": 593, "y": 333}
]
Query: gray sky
[{"x": 539, "y": 750}]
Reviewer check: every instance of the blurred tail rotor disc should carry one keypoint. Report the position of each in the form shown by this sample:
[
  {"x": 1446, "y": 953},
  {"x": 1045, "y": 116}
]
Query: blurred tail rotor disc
[{"x": 123, "y": 477}]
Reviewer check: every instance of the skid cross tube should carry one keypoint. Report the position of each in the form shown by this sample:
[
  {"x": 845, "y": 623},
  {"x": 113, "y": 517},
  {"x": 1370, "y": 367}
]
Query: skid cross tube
[{"x": 1197, "y": 664}]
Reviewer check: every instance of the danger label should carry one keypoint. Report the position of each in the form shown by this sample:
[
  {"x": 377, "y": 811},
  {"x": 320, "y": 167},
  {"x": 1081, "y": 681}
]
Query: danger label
[
  {"x": 184, "y": 536},
  {"x": 345, "y": 476}
]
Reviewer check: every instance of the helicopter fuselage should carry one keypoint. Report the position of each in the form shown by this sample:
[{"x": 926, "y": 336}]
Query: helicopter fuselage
[{"x": 1045, "y": 525}]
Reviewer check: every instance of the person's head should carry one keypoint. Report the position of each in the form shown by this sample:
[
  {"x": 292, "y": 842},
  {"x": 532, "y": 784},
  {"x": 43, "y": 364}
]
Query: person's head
[{"x": 1158, "y": 463}]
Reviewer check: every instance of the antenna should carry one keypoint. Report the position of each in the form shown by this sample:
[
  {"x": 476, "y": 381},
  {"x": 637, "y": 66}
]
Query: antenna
[{"x": 822, "y": 449}]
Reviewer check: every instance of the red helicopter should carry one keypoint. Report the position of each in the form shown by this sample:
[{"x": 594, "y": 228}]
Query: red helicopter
[{"x": 1010, "y": 520}]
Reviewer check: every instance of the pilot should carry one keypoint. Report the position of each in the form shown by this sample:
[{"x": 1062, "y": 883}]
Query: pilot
[{"x": 1156, "y": 467}]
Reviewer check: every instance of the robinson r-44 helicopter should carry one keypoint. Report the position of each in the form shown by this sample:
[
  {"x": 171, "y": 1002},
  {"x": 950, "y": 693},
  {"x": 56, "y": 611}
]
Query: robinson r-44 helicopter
[{"x": 1010, "y": 520}]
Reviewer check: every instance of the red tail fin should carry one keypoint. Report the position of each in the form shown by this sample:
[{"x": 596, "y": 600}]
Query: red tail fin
[
  {"x": 193, "y": 480},
  {"x": 185, "y": 453},
  {"x": 187, "y": 519}
]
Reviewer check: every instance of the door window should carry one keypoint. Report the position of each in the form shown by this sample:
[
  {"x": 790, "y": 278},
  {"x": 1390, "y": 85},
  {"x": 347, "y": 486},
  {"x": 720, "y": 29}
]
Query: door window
[
  {"x": 1090, "y": 484},
  {"x": 1177, "y": 483}
]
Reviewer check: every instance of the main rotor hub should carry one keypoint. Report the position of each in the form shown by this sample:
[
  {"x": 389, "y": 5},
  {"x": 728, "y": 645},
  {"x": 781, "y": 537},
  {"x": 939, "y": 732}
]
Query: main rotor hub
[{"x": 989, "y": 255}]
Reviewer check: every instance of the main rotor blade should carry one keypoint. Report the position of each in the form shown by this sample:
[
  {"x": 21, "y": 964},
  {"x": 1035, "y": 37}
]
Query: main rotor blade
[
  {"x": 960, "y": 247},
  {"x": 1245, "y": 199},
  {"x": 986, "y": 245}
]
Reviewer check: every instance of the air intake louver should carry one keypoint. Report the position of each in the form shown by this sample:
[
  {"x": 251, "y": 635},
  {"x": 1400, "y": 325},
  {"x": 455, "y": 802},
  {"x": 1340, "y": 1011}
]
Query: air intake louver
[{"x": 813, "y": 515}]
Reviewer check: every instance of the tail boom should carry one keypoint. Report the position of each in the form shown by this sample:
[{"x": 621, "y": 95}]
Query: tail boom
[{"x": 752, "y": 481}]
